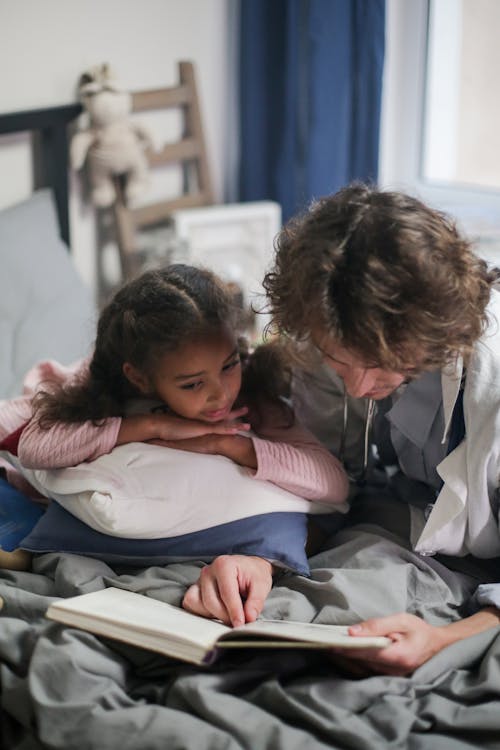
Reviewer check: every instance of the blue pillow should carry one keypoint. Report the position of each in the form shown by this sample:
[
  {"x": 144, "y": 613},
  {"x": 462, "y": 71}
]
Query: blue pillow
[
  {"x": 18, "y": 515},
  {"x": 275, "y": 536}
]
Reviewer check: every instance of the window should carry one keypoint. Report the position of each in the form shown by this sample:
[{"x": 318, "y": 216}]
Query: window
[
  {"x": 440, "y": 135},
  {"x": 462, "y": 107}
]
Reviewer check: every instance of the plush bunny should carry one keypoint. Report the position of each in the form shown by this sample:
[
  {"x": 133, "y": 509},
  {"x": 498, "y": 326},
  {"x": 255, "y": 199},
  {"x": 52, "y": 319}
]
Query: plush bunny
[{"x": 112, "y": 145}]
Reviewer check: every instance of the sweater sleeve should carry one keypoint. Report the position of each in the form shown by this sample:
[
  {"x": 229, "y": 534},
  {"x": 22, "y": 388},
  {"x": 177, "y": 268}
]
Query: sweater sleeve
[
  {"x": 65, "y": 445},
  {"x": 14, "y": 413},
  {"x": 292, "y": 458}
]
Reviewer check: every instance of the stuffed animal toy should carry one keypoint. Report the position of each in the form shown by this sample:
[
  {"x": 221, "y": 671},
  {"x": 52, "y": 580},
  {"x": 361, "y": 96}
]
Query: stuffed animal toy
[{"x": 111, "y": 145}]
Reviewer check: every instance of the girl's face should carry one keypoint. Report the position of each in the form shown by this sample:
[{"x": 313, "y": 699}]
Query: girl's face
[
  {"x": 199, "y": 380},
  {"x": 360, "y": 381}
]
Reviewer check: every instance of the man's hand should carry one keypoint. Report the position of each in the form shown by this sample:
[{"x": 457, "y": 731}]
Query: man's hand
[
  {"x": 414, "y": 641},
  {"x": 233, "y": 588}
]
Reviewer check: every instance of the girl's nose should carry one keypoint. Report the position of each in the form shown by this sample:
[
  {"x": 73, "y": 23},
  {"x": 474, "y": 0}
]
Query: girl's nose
[{"x": 216, "y": 392}]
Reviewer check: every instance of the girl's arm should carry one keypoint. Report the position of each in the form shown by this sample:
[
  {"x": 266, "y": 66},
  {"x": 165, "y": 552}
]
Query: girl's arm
[
  {"x": 299, "y": 464},
  {"x": 14, "y": 413},
  {"x": 17, "y": 412},
  {"x": 289, "y": 457},
  {"x": 292, "y": 458},
  {"x": 63, "y": 445}
]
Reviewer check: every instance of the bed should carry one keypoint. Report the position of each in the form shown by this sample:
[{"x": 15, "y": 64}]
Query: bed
[{"x": 64, "y": 688}]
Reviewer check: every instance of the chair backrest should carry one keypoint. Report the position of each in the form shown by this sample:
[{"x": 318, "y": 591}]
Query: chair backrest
[{"x": 190, "y": 152}]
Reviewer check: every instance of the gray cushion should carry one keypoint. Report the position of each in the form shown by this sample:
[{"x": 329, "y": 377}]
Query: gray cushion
[{"x": 46, "y": 311}]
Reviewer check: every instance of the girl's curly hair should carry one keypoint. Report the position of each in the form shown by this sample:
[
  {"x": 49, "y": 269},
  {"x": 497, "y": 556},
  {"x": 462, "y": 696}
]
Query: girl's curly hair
[
  {"x": 148, "y": 317},
  {"x": 382, "y": 273}
]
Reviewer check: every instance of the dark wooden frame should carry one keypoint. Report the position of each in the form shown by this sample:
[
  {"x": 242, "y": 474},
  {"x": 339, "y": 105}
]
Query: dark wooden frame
[{"x": 49, "y": 131}]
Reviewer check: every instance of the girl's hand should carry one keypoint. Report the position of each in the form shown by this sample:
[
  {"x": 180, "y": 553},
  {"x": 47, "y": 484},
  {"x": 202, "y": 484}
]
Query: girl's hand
[
  {"x": 149, "y": 427},
  {"x": 170, "y": 427},
  {"x": 236, "y": 447},
  {"x": 233, "y": 588}
]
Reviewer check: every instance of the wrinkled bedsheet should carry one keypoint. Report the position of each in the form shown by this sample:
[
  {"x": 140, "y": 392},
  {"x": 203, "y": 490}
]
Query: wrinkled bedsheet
[{"x": 64, "y": 688}]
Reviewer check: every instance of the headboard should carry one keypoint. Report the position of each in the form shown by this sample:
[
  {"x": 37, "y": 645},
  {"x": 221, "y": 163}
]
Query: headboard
[
  {"x": 50, "y": 151},
  {"x": 46, "y": 310}
]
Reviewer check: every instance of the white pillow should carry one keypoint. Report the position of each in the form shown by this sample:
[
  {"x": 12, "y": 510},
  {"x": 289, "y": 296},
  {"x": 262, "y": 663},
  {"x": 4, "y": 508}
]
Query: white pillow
[
  {"x": 146, "y": 491},
  {"x": 46, "y": 311}
]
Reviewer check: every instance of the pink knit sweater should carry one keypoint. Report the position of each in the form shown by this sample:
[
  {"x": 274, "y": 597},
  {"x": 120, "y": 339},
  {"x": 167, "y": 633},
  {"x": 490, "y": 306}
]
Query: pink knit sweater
[{"x": 290, "y": 457}]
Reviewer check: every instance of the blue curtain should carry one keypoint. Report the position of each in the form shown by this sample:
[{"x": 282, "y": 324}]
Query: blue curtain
[{"x": 310, "y": 94}]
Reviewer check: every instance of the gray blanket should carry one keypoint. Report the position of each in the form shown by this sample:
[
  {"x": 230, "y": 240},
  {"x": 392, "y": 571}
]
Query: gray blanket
[{"x": 64, "y": 688}]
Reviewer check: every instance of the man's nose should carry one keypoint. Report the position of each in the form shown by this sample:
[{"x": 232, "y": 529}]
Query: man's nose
[{"x": 358, "y": 381}]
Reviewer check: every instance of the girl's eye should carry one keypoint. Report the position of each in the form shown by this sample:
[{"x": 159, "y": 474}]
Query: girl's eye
[
  {"x": 191, "y": 386},
  {"x": 231, "y": 365}
]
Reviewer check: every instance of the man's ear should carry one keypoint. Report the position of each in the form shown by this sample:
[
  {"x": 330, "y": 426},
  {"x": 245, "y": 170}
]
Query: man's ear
[{"x": 137, "y": 378}]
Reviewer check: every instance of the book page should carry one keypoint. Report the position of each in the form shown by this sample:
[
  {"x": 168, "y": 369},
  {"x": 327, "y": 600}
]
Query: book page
[
  {"x": 146, "y": 622},
  {"x": 316, "y": 634},
  {"x": 140, "y": 614}
]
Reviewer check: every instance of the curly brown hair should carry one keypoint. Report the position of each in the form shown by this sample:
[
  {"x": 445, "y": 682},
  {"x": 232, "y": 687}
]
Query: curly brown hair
[
  {"x": 148, "y": 317},
  {"x": 386, "y": 276}
]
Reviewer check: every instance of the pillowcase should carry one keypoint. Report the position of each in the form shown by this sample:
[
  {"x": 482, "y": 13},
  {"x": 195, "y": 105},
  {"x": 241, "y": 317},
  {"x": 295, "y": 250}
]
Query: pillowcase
[
  {"x": 146, "y": 491},
  {"x": 18, "y": 515},
  {"x": 46, "y": 311},
  {"x": 279, "y": 537}
]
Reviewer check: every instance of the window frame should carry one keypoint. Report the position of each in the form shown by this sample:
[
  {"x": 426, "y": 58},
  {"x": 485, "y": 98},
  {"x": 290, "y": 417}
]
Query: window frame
[{"x": 403, "y": 116}]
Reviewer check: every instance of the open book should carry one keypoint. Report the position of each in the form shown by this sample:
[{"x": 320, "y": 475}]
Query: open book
[{"x": 157, "y": 626}]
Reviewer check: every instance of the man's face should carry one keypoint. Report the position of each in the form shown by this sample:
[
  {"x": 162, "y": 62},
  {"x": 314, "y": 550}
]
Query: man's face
[{"x": 360, "y": 381}]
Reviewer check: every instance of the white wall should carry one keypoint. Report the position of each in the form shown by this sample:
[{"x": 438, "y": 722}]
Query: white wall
[{"x": 46, "y": 44}]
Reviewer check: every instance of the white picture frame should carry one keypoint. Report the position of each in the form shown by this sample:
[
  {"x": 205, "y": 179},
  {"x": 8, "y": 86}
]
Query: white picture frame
[{"x": 235, "y": 241}]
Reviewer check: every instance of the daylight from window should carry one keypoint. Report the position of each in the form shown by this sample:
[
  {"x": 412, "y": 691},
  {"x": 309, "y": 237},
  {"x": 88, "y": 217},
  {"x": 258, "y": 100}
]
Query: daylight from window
[{"x": 462, "y": 107}]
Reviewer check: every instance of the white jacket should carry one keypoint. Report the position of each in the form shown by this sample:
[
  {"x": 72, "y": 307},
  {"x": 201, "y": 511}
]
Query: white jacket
[{"x": 464, "y": 518}]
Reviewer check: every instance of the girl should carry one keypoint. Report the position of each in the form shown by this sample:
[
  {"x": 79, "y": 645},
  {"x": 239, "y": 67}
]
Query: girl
[{"x": 168, "y": 368}]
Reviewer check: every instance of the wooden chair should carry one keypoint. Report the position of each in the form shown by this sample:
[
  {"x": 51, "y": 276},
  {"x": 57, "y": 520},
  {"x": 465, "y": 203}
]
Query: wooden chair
[{"x": 190, "y": 152}]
